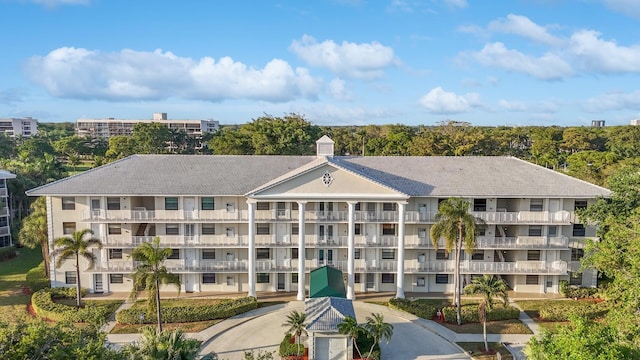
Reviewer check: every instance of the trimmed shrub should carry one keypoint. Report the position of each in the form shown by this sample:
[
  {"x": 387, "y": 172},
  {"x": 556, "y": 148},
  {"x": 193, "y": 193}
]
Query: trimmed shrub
[
  {"x": 179, "y": 314},
  {"x": 8, "y": 252},
  {"x": 470, "y": 313},
  {"x": 36, "y": 280},
  {"x": 289, "y": 349},
  {"x": 45, "y": 307},
  {"x": 422, "y": 310},
  {"x": 575, "y": 292},
  {"x": 563, "y": 311}
]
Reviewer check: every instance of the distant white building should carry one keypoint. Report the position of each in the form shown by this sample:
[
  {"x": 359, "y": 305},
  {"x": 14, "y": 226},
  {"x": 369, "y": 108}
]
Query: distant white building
[
  {"x": 635, "y": 122},
  {"x": 5, "y": 214},
  {"x": 108, "y": 127},
  {"x": 25, "y": 127}
]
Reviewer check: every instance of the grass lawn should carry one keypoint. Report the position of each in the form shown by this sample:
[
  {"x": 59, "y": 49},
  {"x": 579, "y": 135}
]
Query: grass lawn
[
  {"x": 13, "y": 302},
  {"x": 493, "y": 327},
  {"x": 195, "y": 326},
  {"x": 476, "y": 350}
]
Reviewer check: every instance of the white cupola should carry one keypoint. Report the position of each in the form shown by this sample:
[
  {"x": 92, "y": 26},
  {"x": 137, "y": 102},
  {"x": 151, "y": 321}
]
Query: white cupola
[{"x": 324, "y": 146}]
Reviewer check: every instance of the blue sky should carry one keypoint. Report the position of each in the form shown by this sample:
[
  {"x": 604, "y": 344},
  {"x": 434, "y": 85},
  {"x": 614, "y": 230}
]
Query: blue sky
[{"x": 340, "y": 62}]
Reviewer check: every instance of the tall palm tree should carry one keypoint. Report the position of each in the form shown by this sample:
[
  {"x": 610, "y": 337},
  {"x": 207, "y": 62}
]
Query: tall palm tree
[
  {"x": 457, "y": 226},
  {"x": 490, "y": 287},
  {"x": 378, "y": 329},
  {"x": 34, "y": 230},
  {"x": 150, "y": 273},
  {"x": 349, "y": 326},
  {"x": 295, "y": 323},
  {"x": 76, "y": 246}
]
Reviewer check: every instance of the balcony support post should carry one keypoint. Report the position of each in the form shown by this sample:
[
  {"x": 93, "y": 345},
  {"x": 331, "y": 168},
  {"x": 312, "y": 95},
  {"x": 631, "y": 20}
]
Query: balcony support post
[
  {"x": 301, "y": 251},
  {"x": 400, "y": 274},
  {"x": 252, "y": 247},
  {"x": 351, "y": 293}
]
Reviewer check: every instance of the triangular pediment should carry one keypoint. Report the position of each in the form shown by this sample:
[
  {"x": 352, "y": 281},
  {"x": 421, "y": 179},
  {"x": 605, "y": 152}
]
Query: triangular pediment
[{"x": 326, "y": 181}]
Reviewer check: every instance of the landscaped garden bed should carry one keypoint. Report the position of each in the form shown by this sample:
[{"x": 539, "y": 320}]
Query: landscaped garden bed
[
  {"x": 56, "y": 305},
  {"x": 476, "y": 350}
]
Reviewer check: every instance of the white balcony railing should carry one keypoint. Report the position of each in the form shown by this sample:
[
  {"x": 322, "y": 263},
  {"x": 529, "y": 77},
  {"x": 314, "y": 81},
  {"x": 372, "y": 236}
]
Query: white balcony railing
[
  {"x": 485, "y": 267},
  {"x": 521, "y": 242}
]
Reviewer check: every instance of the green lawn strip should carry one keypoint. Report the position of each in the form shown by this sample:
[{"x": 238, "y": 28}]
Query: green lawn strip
[
  {"x": 190, "y": 327},
  {"x": 533, "y": 307},
  {"x": 476, "y": 350},
  {"x": 13, "y": 302},
  {"x": 493, "y": 327}
]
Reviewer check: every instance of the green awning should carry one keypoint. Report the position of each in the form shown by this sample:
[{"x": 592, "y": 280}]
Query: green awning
[{"x": 326, "y": 281}]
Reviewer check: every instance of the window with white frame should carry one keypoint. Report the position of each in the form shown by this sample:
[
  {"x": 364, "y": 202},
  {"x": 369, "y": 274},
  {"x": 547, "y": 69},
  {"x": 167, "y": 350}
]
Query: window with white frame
[
  {"x": 389, "y": 206},
  {"x": 575, "y": 279},
  {"x": 171, "y": 203},
  {"x": 208, "y": 278},
  {"x": 263, "y": 206},
  {"x": 552, "y": 230},
  {"x": 175, "y": 254},
  {"x": 113, "y": 203},
  {"x": 388, "y": 278},
  {"x": 422, "y": 233},
  {"x": 294, "y": 206},
  {"x": 478, "y": 255},
  {"x": 442, "y": 254},
  {"x": 172, "y": 229},
  {"x": 68, "y": 203},
  {"x": 295, "y": 229},
  {"x": 115, "y": 254},
  {"x": 357, "y": 229},
  {"x": 68, "y": 228},
  {"x": 388, "y": 229},
  {"x": 580, "y": 204},
  {"x": 479, "y": 204},
  {"x": 208, "y": 254},
  {"x": 357, "y": 254},
  {"x": 116, "y": 279},
  {"x": 442, "y": 278},
  {"x": 263, "y": 278},
  {"x": 263, "y": 229},
  {"x": 577, "y": 254},
  {"x": 294, "y": 278},
  {"x": 421, "y": 281},
  {"x": 533, "y": 255},
  {"x": 535, "y": 230},
  {"x": 70, "y": 277},
  {"x": 294, "y": 253},
  {"x": 388, "y": 254},
  {"x": 231, "y": 280},
  {"x": 532, "y": 280},
  {"x": 536, "y": 205},
  {"x": 115, "y": 229},
  {"x": 356, "y": 278},
  {"x": 579, "y": 230},
  {"x": 208, "y": 229},
  {"x": 207, "y": 203},
  {"x": 263, "y": 253}
]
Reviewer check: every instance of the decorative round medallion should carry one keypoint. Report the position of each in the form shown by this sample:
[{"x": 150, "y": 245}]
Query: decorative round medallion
[{"x": 327, "y": 179}]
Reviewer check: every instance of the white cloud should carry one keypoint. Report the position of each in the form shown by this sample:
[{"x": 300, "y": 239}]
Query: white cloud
[
  {"x": 361, "y": 61},
  {"x": 400, "y": 5},
  {"x": 547, "y": 67},
  {"x": 515, "y": 106},
  {"x": 523, "y": 26},
  {"x": 137, "y": 75},
  {"x": 439, "y": 101},
  {"x": 627, "y": 7},
  {"x": 338, "y": 91},
  {"x": 328, "y": 114},
  {"x": 613, "y": 101},
  {"x": 456, "y": 3},
  {"x": 596, "y": 54}
]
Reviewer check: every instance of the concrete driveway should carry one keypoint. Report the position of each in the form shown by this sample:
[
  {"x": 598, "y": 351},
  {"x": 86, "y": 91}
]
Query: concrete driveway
[{"x": 410, "y": 340}]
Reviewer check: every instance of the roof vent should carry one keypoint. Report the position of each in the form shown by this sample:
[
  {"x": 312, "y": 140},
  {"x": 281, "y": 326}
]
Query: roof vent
[{"x": 324, "y": 146}]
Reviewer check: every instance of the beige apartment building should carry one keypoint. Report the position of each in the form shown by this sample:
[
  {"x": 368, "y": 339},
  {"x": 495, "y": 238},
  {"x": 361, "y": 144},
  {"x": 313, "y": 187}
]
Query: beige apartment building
[
  {"x": 260, "y": 223},
  {"x": 25, "y": 127}
]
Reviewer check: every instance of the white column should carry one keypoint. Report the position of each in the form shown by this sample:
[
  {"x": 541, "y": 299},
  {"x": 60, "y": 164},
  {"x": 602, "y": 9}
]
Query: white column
[
  {"x": 351, "y": 294},
  {"x": 301, "y": 251},
  {"x": 400, "y": 275},
  {"x": 252, "y": 248}
]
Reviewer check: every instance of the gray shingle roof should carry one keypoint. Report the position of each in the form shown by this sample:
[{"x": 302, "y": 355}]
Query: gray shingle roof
[
  {"x": 4, "y": 174},
  {"x": 325, "y": 313},
  {"x": 239, "y": 175}
]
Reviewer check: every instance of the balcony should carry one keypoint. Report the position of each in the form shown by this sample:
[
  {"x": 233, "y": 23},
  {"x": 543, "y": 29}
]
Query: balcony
[
  {"x": 4, "y": 230},
  {"x": 482, "y": 267},
  {"x": 525, "y": 217},
  {"x": 139, "y": 215},
  {"x": 522, "y": 242}
]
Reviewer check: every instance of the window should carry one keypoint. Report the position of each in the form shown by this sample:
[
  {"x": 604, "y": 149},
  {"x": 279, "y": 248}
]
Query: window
[
  {"x": 535, "y": 205},
  {"x": 478, "y": 255},
  {"x": 208, "y": 278},
  {"x": 208, "y": 254},
  {"x": 262, "y": 254},
  {"x": 481, "y": 231},
  {"x": 113, "y": 203},
  {"x": 388, "y": 254},
  {"x": 115, "y": 254},
  {"x": 69, "y": 277},
  {"x": 172, "y": 229},
  {"x": 420, "y": 281},
  {"x": 533, "y": 255},
  {"x": 580, "y": 204},
  {"x": 262, "y": 278},
  {"x": 294, "y": 206},
  {"x": 535, "y": 230},
  {"x": 575, "y": 279},
  {"x": 68, "y": 228},
  {"x": 388, "y": 229},
  {"x": 206, "y": 203},
  {"x": 479, "y": 204},
  {"x": 356, "y": 278},
  {"x": 116, "y": 279},
  {"x": 68, "y": 203},
  {"x": 115, "y": 229},
  {"x": 442, "y": 278},
  {"x": 442, "y": 254},
  {"x": 231, "y": 280},
  {"x": 576, "y": 254},
  {"x": 356, "y": 254},
  {"x": 578, "y": 230},
  {"x": 357, "y": 229},
  {"x": 171, "y": 203},
  {"x": 4, "y": 221},
  {"x": 553, "y": 230},
  {"x": 422, "y": 233},
  {"x": 263, "y": 229},
  {"x": 389, "y": 206},
  {"x": 532, "y": 280},
  {"x": 175, "y": 254},
  {"x": 263, "y": 206},
  {"x": 294, "y": 253},
  {"x": 294, "y": 278},
  {"x": 208, "y": 229},
  {"x": 388, "y": 278}
]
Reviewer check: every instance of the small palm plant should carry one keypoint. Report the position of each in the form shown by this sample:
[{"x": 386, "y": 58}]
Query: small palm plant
[
  {"x": 349, "y": 326},
  {"x": 75, "y": 247},
  {"x": 295, "y": 324},
  {"x": 378, "y": 329},
  {"x": 489, "y": 287}
]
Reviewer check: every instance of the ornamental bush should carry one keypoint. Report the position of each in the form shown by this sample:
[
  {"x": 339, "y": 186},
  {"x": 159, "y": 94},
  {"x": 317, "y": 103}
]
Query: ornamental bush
[
  {"x": 178, "y": 314},
  {"x": 44, "y": 306},
  {"x": 562, "y": 311},
  {"x": 470, "y": 313},
  {"x": 416, "y": 308},
  {"x": 289, "y": 349}
]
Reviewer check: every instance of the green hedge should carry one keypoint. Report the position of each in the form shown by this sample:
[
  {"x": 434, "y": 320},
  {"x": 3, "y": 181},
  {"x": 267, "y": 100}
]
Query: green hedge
[
  {"x": 36, "y": 279},
  {"x": 416, "y": 308},
  {"x": 563, "y": 310},
  {"x": 190, "y": 313},
  {"x": 470, "y": 313},
  {"x": 574, "y": 292},
  {"x": 289, "y": 349},
  {"x": 45, "y": 307},
  {"x": 8, "y": 252}
]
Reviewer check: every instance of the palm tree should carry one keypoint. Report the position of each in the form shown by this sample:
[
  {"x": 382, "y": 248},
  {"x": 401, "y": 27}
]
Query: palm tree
[
  {"x": 34, "y": 230},
  {"x": 349, "y": 326},
  {"x": 151, "y": 273},
  {"x": 457, "y": 226},
  {"x": 489, "y": 287},
  {"x": 378, "y": 329},
  {"x": 295, "y": 323},
  {"x": 76, "y": 246},
  {"x": 169, "y": 345}
]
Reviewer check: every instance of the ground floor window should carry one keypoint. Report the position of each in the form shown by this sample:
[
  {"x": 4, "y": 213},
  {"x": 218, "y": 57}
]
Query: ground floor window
[
  {"x": 294, "y": 278},
  {"x": 116, "y": 278},
  {"x": 532, "y": 280},
  {"x": 209, "y": 278},
  {"x": 388, "y": 278},
  {"x": 70, "y": 277},
  {"x": 263, "y": 278},
  {"x": 420, "y": 281},
  {"x": 356, "y": 278},
  {"x": 442, "y": 278},
  {"x": 5, "y": 241},
  {"x": 575, "y": 279}
]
